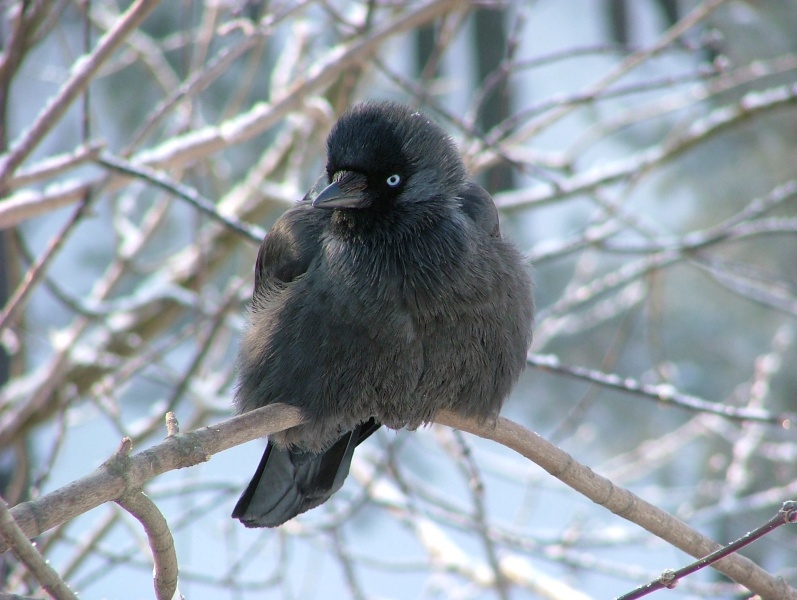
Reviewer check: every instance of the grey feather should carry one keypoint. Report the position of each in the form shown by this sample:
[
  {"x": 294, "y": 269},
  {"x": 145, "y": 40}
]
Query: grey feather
[{"x": 404, "y": 304}]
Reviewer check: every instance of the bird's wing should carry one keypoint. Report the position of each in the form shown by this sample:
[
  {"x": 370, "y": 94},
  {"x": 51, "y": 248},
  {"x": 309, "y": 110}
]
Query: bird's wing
[
  {"x": 479, "y": 206},
  {"x": 289, "y": 247}
]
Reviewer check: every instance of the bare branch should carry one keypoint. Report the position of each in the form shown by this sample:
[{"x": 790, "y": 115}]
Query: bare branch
[
  {"x": 621, "y": 502},
  {"x": 651, "y": 192},
  {"x": 172, "y": 426},
  {"x": 26, "y": 204},
  {"x": 54, "y": 165},
  {"x": 160, "y": 539},
  {"x": 716, "y": 122},
  {"x": 27, "y": 553},
  {"x": 121, "y": 474},
  {"x": 82, "y": 73},
  {"x": 666, "y": 394},
  {"x": 669, "y": 579},
  {"x": 17, "y": 299},
  {"x": 700, "y": 13},
  {"x": 261, "y": 116},
  {"x": 190, "y": 195},
  {"x": 4, "y": 596}
]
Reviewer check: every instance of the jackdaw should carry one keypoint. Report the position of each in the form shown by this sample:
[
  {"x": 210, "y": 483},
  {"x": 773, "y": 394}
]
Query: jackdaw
[{"x": 384, "y": 298}]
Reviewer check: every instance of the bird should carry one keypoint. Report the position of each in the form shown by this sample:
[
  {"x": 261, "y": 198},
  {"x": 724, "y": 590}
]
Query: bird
[{"x": 381, "y": 299}]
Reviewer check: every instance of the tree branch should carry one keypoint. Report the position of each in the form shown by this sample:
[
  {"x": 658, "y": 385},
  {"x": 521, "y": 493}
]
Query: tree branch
[
  {"x": 27, "y": 553},
  {"x": 621, "y": 502},
  {"x": 122, "y": 474},
  {"x": 161, "y": 542},
  {"x": 181, "y": 150},
  {"x": 662, "y": 393},
  {"x": 669, "y": 578},
  {"x": 81, "y": 75}
]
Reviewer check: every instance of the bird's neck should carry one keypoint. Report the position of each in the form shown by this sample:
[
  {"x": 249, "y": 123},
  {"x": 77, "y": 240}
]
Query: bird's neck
[{"x": 379, "y": 223}]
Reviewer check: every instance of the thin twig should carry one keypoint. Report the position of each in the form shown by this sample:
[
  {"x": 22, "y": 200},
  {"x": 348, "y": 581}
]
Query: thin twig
[
  {"x": 699, "y": 131},
  {"x": 82, "y": 73},
  {"x": 190, "y": 195},
  {"x": 476, "y": 484},
  {"x": 55, "y": 165},
  {"x": 199, "y": 143},
  {"x": 122, "y": 473},
  {"x": 621, "y": 501},
  {"x": 698, "y": 240},
  {"x": 161, "y": 542},
  {"x": 346, "y": 564},
  {"x": 27, "y": 553},
  {"x": 663, "y": 393},
  {"x": 172, "y": 426},
  {"x": 15, "y": 302},
  {"x": 669, "y": 578},
  {"x": 701, "y": 12},
  {"x": 27, "y": 203}
]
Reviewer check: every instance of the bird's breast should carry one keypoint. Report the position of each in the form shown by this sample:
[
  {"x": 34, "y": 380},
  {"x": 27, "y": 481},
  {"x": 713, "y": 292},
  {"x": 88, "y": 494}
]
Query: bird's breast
[{"x": 413, "y": 264}]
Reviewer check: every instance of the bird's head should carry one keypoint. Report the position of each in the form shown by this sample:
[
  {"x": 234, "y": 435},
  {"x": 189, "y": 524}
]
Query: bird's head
[{"x": 381, "y": 155}]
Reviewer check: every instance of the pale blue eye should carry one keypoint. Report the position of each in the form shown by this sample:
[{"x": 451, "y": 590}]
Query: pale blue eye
[{"x": 393, "y": 180}]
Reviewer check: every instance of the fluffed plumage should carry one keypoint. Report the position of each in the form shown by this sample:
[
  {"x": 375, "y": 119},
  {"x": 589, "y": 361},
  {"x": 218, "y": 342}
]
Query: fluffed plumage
[{"x": 388, "y": 296}]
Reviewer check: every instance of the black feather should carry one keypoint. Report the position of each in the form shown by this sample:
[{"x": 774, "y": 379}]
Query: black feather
[
  {"x": 384, "y": 298},
  {"x": 297, "y": 481}
]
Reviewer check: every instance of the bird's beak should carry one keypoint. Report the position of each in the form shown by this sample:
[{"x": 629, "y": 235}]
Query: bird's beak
[{"x": 347, "y": 191}]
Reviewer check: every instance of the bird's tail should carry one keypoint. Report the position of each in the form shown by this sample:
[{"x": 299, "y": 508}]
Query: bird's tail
[{"x": 290, "y": 482}]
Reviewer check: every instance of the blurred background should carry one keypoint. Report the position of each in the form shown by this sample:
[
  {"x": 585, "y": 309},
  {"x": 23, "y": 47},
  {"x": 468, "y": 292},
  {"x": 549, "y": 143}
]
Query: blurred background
[{"x": 643, "y": 157}]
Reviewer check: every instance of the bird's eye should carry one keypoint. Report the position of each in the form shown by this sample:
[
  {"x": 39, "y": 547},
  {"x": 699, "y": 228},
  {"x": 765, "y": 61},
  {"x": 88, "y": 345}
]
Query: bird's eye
[{"x": 394, "y": 180}]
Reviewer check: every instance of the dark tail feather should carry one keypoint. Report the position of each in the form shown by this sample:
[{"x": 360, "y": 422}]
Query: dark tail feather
[{"x": 288, "y": 482}]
